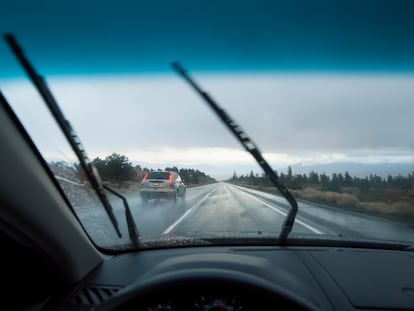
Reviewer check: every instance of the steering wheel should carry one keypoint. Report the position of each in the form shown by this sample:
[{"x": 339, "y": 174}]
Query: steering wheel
[{"x": 206, "y": 289}]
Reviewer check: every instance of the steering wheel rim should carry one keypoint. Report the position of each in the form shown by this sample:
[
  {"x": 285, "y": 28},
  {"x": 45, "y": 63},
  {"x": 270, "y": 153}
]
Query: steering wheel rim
[{"x": 196, "y": 281}]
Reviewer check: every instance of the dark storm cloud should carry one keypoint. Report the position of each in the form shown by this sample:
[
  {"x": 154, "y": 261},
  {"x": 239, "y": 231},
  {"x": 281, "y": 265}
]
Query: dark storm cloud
[{"x": 282, "y": 113}]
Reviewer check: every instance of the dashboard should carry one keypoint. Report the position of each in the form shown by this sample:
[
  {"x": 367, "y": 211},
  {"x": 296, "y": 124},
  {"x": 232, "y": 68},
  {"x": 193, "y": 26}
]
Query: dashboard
[{"x": 248, "y": 278}]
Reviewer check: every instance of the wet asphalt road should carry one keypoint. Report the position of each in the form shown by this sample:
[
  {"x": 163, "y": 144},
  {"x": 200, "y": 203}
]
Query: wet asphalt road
[{"x": 217, "y": 208}]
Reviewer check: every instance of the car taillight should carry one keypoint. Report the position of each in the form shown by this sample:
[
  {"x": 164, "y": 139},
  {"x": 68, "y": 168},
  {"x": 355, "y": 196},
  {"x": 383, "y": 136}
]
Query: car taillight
[
  {"x": 170, "y": 178},
  {"x": 145, "y": 177}
]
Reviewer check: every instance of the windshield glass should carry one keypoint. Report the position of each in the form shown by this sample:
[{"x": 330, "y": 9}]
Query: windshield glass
[{"x": 323, "y": 89}]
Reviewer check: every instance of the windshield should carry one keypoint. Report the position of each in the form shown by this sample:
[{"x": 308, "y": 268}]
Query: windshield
[{"x": 317, "y": 100}]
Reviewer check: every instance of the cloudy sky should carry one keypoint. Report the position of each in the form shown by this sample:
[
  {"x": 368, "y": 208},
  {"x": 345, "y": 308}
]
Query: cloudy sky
[{"x": 310, "y": 81}]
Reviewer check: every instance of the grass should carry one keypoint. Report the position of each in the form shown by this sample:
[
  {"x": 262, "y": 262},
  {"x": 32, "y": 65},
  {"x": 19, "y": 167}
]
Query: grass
[
  {"x": 401, "y": 206},
  {"x": 392, "y": 203},
  {"x": 335, "y": 198}
]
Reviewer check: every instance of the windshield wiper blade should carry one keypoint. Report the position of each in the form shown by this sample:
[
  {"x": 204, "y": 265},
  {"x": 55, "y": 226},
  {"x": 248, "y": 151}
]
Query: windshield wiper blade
[
  {"x": 71, "y": 136},
  {"x": 132, "y": 227},
  {"x": 251, "y": 147}
]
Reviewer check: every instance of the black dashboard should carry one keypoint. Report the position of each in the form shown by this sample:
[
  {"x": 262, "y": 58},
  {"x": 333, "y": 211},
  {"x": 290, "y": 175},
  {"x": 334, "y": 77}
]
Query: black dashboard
[{"x": 248, "y": 278}]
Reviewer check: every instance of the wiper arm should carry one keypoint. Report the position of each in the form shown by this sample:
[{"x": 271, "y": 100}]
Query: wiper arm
[
  {"x": 251, "y": 147},
  {"x": 86, "y": 164}
]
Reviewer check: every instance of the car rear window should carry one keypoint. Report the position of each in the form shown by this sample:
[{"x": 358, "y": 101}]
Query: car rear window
[{"x": 158, "y": 175}]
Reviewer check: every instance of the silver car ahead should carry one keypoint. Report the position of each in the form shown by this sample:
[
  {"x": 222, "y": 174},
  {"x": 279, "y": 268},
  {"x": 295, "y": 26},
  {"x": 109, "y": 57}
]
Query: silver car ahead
[{"x": 162, "y": 185}]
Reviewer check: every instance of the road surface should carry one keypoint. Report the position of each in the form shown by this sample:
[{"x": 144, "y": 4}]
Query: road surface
[{"x": 221, "y": 208}]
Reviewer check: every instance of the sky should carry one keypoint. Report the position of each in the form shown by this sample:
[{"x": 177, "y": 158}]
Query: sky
[{"x": 310, "y": 81}]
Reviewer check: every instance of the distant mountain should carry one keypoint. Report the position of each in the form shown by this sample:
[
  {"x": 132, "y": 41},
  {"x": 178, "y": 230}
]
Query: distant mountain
[{"x": 356, "y": 169}]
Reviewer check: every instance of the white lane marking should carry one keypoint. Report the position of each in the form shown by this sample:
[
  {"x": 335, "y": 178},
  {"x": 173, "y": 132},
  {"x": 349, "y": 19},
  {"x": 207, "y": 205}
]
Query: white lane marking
[
  {"x": 191, "y": 210},
  {"x": 69, "y": 181},
  {"x": 277, "y": 210}
]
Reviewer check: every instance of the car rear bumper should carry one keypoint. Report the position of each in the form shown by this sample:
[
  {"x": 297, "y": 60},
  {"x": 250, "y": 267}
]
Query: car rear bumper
[{"x": 154, "y": 194}]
